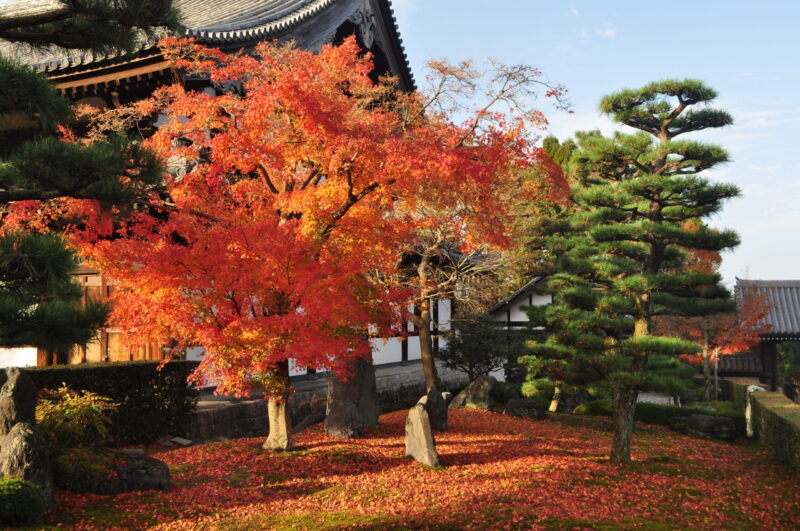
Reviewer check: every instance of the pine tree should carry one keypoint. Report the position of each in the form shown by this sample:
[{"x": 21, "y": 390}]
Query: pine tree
[
  {"x": 621, "y": 253},
  {"x": 39, "y": 302}
]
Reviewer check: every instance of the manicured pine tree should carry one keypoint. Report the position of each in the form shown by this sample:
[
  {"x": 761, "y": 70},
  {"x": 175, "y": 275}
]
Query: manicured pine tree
[
  {"x": 621, "y": 253},
  {"x": 39, "y": 303}
]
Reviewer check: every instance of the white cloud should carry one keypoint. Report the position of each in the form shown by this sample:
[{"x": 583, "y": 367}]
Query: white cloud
[
  {"x": 608, "y": 31},
  {"x": 574, "y": 12}
]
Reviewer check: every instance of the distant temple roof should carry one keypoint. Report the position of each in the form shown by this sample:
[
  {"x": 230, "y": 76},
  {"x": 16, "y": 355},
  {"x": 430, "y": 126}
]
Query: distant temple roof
[
  {"x": 236, "y": 23},
  {"x": 524, "y": 290},
  {"x": 784, "y": 305}
]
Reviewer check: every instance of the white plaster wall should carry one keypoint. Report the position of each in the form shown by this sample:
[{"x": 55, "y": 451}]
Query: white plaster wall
[
  {"x": 386, "y": 350},
  {"x": 413, "y": 348},
  {"x": 17, "y": 357},
  {"x": 444, "y": 314}
]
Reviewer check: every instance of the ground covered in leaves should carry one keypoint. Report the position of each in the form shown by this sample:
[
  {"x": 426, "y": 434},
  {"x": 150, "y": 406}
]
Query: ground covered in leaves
[{"x": 500, "y": 472}]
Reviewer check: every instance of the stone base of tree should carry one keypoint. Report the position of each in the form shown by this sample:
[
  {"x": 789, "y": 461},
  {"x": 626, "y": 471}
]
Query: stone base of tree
[
  {"x": 352, "y": 403},
  {"x": 435, "y": 405},
  {"x": 420, "y": 444},
  {"x": 107, "y": 471}
]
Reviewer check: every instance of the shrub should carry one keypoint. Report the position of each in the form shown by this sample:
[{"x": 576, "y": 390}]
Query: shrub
[
  {"x": 661, "y": 414},
  {"x": 21, "y": 502},
  {"x": 777, "y": 422},
  {"x": 152, "y": 402},
  {"x": 73, "y": 418}
]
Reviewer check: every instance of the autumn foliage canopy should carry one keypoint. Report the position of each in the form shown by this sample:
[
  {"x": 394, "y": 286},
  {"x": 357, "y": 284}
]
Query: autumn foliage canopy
[{"x": 287, "y": 192}]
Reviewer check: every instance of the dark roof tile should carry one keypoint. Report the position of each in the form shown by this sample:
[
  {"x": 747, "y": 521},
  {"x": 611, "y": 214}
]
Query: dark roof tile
[{"x": 784, "y": 303}]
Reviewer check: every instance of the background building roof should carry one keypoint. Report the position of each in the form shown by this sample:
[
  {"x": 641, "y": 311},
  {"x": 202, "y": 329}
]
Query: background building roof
[
  {"x": 784, "y": 305},
  {"x": 215, "y": 22}
]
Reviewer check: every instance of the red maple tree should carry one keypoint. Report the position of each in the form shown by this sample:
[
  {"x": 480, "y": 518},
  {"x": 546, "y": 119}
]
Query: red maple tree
[{"x": 288, "y": 194}]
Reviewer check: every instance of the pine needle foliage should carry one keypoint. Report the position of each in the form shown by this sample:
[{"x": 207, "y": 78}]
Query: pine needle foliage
[
  {"x": 621, "y": 252},
  {"x": 40, "y": 305}
]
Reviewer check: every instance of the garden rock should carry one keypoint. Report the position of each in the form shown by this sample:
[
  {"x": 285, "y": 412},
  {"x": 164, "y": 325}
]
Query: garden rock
[
  {"x": 477, "y": 395},
  {"x": 23, "y": 455},
  {"x": 17, "y": 399},
  {"x": 523, "y": 407},
  {"x": 420, "y": 444},
  {"x": 107, "y": 471},
  {"x": 436, "y": 406},
  {"x": 705, "y": 426}
]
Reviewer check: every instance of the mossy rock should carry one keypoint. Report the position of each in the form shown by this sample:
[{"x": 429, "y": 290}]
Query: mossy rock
[{"x": 107, "y": 471}]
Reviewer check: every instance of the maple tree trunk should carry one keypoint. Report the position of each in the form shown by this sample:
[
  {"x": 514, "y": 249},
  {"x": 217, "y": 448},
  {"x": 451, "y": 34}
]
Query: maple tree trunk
[
  {"x": 280, "y": 422},
  {"x": 556, "y": 400},
  {"x": 426, "y": 347},
  {"x": 624, "y": 398}
]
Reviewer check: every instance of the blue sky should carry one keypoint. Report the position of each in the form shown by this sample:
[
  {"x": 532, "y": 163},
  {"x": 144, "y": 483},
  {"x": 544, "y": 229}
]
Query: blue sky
[{"x": 748, "y": 51}]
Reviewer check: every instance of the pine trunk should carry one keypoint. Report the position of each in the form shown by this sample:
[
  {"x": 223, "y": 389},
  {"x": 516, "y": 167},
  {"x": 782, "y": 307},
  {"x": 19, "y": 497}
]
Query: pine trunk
[
  {"x": 707, "y": 378},
  {"x": 624, "y": 398},
  {"x": 280, "y": 422}
]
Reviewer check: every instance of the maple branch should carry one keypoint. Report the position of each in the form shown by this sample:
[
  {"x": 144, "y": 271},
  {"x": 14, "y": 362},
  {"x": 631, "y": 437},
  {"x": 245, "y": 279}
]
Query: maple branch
[
  {"x": 311, "y": 176},
  {"x": 265, "y": 175},
  {"x": 348, "y": 204},
  {"x": 172, "y": 208}
]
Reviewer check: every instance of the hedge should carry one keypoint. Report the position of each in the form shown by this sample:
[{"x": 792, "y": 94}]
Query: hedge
[
  {"x": 661, "y": 414},
  {"x": 153, "y": 402},
  {"x": 777, "y": 424},
  {"x": 736, "y": 391}
]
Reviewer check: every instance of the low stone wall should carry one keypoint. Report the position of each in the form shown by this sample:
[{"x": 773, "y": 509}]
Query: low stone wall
[{"x": 248, "y": 418}]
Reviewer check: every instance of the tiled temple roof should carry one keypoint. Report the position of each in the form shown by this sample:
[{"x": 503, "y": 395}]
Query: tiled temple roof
[
  {"x": 209, "y": 21},
  {"x": 784, "y": 304}
]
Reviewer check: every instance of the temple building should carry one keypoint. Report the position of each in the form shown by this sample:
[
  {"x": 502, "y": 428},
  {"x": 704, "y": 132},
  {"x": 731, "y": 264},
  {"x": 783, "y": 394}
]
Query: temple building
[{"x": 106, "y": 81}]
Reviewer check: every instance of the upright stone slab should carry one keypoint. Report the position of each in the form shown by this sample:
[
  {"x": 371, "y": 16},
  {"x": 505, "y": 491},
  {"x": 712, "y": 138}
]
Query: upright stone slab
[
  {"x": 436, "y": 406},
  {"x": 17, "y": 399},
  {"x": 23, "y": 455},
  {"x": 420, "y": 444}
]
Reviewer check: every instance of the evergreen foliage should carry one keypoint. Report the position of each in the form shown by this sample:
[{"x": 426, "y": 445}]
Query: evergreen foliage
[
  {"x": 478, "y": 345},
  {"x": 621, "y": 252},
  {"x": 21, "y": 502},
  {"x": 39, "y": 303}
]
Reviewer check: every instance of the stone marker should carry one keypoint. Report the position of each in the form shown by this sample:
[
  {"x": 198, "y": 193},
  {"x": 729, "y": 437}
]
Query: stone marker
[
  {"x": 180, "y": 441},
  {"x": 436, "y": 406},
  {"x": 419, "y": 437},
  {"x": 343, "y": 420},
  {"x": 748, "y": 410},
  {"x": 23, "y": 455},
  {"x": 478, "y": 394}
]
